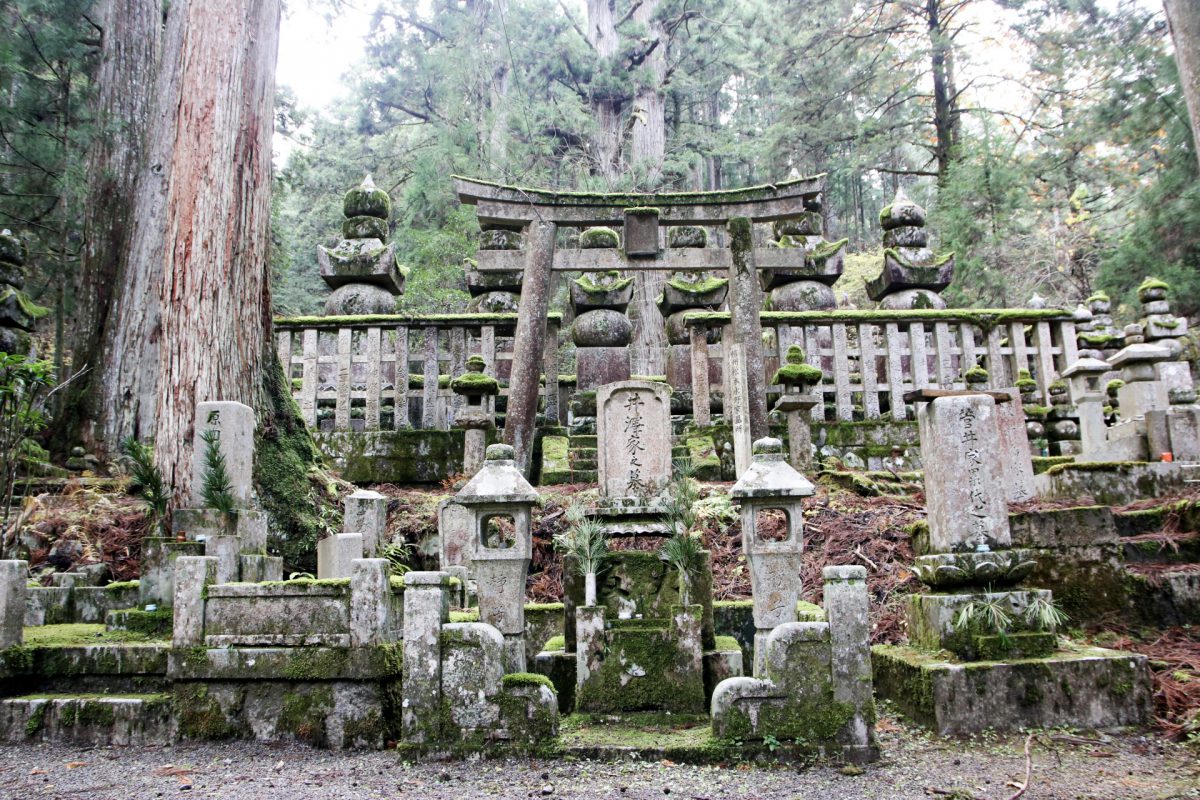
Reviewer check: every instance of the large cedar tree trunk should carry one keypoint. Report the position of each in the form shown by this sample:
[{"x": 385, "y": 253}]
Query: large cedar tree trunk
[
  {"x": 606, "y": 106},
  {"x": 1184, "y": 17},
  {"x": 945, "y": 93},
  {"x": 215, "y": 116},
  {"x": 648, "y": 146},
  {"x": 124, "y": 83}
]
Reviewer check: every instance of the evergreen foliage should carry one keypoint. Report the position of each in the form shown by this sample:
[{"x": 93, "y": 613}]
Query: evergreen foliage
[{"x": 217, "y": 488}]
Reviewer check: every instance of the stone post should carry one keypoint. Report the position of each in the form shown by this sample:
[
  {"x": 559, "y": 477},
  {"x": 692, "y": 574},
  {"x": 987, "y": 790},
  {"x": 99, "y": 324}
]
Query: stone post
[
  {"x": 745, "y": 305},
  {"x": 192, "y": 575},
  {"x": 13, "y": 575},
  {"x": 370, "y": 603},
  {"x": 225, "y": 550},
  {"x": 366, "y": 513},
  {"x": 1014, "y": 449},
  {"x": 589, "y": 641},
  {"x": 529, "y": 341},
  {"x": 336, "y": 555},
  {"x": 1084, "y": 381},
  {"x": 426, "y": 607},
  {"x": 701, "y": 393},
  {"x": 846, "y": 607}
]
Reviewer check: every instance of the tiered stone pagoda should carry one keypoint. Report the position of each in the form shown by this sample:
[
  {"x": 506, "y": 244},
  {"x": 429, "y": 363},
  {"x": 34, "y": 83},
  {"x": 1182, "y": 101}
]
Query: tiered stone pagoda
[
  {"x": 912, "y": 275},
  {"x": 362, "y": 269}
]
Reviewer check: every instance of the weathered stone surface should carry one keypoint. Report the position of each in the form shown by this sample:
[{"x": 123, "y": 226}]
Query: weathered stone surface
[
  {"x": 500, "y": 239},
  {"x": 193, "y": 574},
  {"x": 1017, "y": 466},
  {"x": 156, "y": 584},
  {"x": 911, "y": 300},
  {"x": 597, "y": 366},
  {"x": 234, "y": 424},
  {"x": 641, "y": 232},
  {"x": 1086, "y": 526},
  {"x": 225, "y": 549},
  {"x": 847, "y": 606},
  {"x": 803, "y": 296},
  {"x": 931, "y": 619},
  {"x": 144, "y": 720},
  {"x": 602, "y": 328},
  {"x": 354, "y": 299},
  {"x": 367, "y": 261},
  {"x": 483, "y": 282},
  {"x": 295, "y": 613},
  {"x": 366, "y": 513},
  {"x": 13, "y": 575},
  {"x": 247, "y": 526},
  {"x": 426, "y": 608},
  {"x": 964, "y": 488},
  {"x": 905, "y": 237},
  {"x": 257, "y": 569},
  {"x": 902, "y": 212},
  {"x": 498, "y": 302},
  {"x": 1083, "y": 687},
  {"x": 12, "y": 249},
  {"x": 1111, "y": 484},
  {"x": 336, "y": 555},
  {"x": 454, "y": 533},
  {"x": 633, "y": 438},
  {"x": 371, "y": 620},
  {"x": 692, "y": 236},
  {"x": 472, "y": 656},
  {"x": 601, "y": 290},
  {"x": 365, "y": 228}
]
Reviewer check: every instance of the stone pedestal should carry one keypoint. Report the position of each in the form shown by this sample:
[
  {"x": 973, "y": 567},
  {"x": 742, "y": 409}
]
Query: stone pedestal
[
  {"x": 371, "y": 603},
  {"x": 798, "y": 410},
  {"x": 846, "y": 609},
  {"x": 454, "y": 534},
  {"x": 156, "y": 583},
  {"x": 366, "y": 513},
  {"x": 336, "y": 555}
]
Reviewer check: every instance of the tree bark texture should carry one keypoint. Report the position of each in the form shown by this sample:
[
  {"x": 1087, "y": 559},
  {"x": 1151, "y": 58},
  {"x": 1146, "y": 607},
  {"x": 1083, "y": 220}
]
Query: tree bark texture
[
  {"x": 945, "y": 95},
  {"x": 602, "y": 35},
  {"x": 1184, "y": 19},
  {"x": 214, "y": 297},
  {"x": 648, "y": 145},
  {"x": 129, "y": 54}
]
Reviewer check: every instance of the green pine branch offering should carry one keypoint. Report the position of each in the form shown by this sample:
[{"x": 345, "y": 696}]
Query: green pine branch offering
[
  {"x": 218, "y": 489},
  {"x": 149, "y": 478}
]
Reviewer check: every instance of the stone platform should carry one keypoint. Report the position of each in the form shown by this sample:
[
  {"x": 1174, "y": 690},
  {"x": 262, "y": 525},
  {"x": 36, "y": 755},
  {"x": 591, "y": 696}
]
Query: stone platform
[{"x": 1083, "y": 687}]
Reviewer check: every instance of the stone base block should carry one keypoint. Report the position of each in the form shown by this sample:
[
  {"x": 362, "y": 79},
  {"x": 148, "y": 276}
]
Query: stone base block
[
  {"x": 725, "y": 662},
  {"x": 597, "y": 366},
  {"x": 1085, "y": 687},
  {"x": 256, "y": 569},
  {"x": 931, "y": 619},
  {"x": 559, "y": 666},
  {"x": 1110, "y": 483},
  {"x": 156, "y": 584},
  {"x": 333, "y": 714},
  {"x": 138, "y": 720},
  {"x": 202, "y": 523},
  {"x": 154, "y": 623}
]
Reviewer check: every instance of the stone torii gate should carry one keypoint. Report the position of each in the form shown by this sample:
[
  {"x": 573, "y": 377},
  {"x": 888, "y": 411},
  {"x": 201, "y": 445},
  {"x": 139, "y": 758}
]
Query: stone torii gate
[{"x": 533, "y": 216}]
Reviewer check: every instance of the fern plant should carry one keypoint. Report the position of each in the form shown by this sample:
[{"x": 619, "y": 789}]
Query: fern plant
[
  {"x": 149, "y": 479},
  {"x": 217, "y": 492}
]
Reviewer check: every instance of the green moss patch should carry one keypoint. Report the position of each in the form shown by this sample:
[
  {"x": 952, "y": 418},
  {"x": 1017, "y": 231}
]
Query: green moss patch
[{"x": 517, "y": 679}]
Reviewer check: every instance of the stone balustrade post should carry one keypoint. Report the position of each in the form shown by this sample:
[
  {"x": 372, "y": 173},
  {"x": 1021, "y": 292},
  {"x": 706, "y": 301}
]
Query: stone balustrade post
[
  {"x": 192, "y": 575},
  {"x": 426, "y": 607}
]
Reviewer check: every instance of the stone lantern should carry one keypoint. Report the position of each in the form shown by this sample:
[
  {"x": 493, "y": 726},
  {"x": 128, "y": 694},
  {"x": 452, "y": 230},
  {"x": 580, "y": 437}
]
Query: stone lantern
[
  {"x": 771, "y": 495},
  {"x": 1084, "y": 378},
  {"x": 499, "y": 501},
  {"x": 475, "y": 416}
]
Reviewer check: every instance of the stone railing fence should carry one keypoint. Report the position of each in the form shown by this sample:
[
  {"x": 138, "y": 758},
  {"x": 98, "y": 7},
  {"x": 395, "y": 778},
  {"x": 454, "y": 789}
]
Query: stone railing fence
[
  {"x": 343, "y": 370},
  {"x": 871, "y": 358}
]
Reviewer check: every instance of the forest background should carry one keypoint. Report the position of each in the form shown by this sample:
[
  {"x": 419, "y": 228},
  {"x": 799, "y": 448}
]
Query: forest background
[{"x": 1048, "y": 138}]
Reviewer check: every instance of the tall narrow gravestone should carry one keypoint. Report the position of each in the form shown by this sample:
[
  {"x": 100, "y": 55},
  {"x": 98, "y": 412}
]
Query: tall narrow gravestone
[
  {"x": 233, "y": 426},
  {"x": 633, "y": 437}
]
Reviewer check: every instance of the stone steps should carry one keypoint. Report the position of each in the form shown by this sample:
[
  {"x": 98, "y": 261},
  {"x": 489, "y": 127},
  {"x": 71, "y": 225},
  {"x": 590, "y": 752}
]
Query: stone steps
[
  {"x": 89, "y": 720},
  {"x": 1161, "y": 548}
]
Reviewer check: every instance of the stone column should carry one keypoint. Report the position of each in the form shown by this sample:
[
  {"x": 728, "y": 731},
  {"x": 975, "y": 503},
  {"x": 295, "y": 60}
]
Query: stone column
[
  {"x": 529, "y": 341},
  {"x": 846, "y": 607},
  {"x": 1014, "y": 449},
  {"x": 701, "y": 393},
  {"x": 13, "y": 575},
  {"x": 366, "y": 513},
  {"x": 370, "y": 603},
  {"x": 225, "y": 549},
  {"x": 745, "y": 305},
  {"x": 426, "y": 607},
  {"x": 192, "y": 575}
]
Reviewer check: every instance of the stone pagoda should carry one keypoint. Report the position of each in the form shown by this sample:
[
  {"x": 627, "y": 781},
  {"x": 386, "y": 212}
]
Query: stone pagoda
[
  {"x": 362, "y": 269},
  {"x": 912, "y": 275}
]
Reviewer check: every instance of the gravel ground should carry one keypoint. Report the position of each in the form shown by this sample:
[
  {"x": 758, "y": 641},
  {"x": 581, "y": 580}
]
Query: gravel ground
[{"x": 914, "y": 765}]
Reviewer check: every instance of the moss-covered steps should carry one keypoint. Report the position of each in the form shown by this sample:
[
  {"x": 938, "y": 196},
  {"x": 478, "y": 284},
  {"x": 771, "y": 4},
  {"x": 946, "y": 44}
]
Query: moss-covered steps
[
  {"x": 573, "y": 459},
  {"x": 90, "y": 720}
]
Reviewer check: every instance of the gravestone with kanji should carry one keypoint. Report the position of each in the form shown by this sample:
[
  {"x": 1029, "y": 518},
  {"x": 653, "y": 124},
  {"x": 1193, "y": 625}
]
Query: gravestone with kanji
[{"x": 633, "y": 439}]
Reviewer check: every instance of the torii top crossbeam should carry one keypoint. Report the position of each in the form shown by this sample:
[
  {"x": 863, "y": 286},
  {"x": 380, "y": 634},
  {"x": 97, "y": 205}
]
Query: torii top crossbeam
[{"x": 497, "y": 204}]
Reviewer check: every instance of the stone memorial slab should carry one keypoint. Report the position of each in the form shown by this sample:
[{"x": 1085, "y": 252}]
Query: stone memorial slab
[
  {"x": 964, "y": 479},
  {"x": 1014, "y": 449},
  {"x": 633, "y": 427},
  {"x": 336, "y": 555},
  {"x": 737, "y": 405},
  {"x": 366, "y": 513},
  {"x": 234, "y": 426}
]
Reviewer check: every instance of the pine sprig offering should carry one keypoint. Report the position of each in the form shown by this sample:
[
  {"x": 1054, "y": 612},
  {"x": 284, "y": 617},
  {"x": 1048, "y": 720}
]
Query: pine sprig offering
[{"x": 218, "y": 489}]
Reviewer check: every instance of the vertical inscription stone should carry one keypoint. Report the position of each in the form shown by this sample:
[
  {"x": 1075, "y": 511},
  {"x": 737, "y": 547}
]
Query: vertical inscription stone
[
  {"x": 1014, "y": 449},
  {"x": 964, "y": 481},
  {"x": 233, "y": 424},
  {"x": 633, "y": 430}
]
